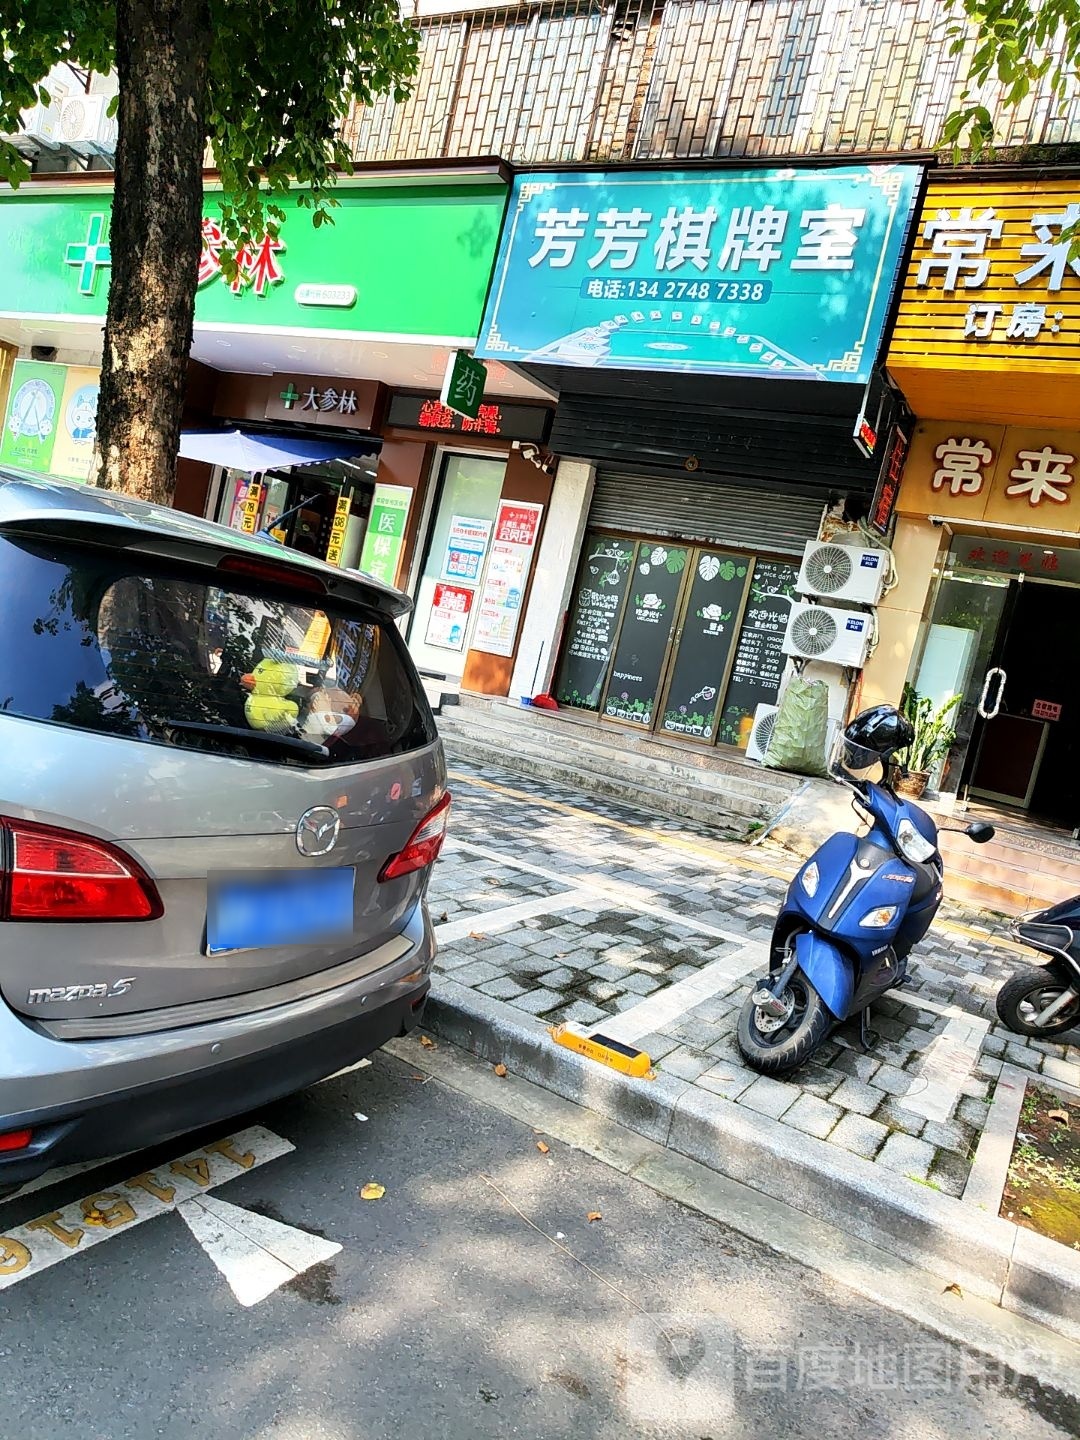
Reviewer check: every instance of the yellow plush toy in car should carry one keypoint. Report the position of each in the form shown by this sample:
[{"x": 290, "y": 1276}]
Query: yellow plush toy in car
[{"x": 267, "y": 706}]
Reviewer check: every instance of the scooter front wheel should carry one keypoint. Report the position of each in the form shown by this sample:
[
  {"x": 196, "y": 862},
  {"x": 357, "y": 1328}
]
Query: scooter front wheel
[
  {"x": 776, "y": 1045},
  {"x": 1027, "y": 995}
]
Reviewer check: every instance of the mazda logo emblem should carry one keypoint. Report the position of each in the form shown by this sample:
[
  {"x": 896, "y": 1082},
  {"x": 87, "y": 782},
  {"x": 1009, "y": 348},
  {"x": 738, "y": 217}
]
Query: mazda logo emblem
[{"x": 317, "y": 830}]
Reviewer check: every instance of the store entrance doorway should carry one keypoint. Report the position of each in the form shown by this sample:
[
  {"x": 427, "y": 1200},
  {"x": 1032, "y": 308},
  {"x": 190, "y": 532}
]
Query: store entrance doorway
[
  {"x": 1026, "y": 750},
  {"x": 1004, "y": 641}
]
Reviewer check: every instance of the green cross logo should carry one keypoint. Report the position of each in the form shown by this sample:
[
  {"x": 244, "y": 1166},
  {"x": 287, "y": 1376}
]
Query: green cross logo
[
  {"x": 290, "y": 396},
  {"x": 90, "y": 256}
]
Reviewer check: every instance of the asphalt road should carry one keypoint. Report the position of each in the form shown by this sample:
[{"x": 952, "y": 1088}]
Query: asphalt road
[{"x": 446, "y": 1314}]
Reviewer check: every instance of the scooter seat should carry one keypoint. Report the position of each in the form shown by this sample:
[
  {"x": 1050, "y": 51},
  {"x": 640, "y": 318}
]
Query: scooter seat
[{"x": 1048, "y": 938}]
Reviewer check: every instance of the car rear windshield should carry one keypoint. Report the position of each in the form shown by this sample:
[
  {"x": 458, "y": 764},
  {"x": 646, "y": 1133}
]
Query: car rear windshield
[{"x": 109, "y": 643}]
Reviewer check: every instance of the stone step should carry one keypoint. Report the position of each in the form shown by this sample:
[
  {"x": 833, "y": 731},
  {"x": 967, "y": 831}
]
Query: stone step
[
  {"x": 1008, "y": 876},
  {"x": 585, "y": 726},
  {"x": 986, "y": 895},
  {"x": 734, "y": 813},
  {"x": 511, "y": 735},
  {"x": 512, "y": 751},
  {"x": 511, "y": 747}
]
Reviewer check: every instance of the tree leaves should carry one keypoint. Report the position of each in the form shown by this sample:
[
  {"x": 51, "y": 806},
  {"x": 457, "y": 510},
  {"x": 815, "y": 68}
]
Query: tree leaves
[
  {"x": 1023, "y": 47},
  {"x": 372, "y": 1191}
]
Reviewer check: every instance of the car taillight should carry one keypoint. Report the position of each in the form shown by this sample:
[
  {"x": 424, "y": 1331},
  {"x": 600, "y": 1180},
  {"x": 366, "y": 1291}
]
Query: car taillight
[
  {"x": 424, "y": 844},
  {"x": 51, "y": 874}
]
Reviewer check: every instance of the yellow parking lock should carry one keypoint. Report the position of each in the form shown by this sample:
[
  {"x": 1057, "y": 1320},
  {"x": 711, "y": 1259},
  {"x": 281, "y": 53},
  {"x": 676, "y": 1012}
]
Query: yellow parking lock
[{"x": 607, "y": 1051}]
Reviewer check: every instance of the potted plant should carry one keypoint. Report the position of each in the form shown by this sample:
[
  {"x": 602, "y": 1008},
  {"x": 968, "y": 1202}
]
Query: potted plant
[{"x": 934, "y": 737}]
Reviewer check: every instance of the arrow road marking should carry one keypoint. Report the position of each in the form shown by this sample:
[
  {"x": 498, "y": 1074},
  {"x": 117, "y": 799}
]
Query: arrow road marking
[{"x": 255, "y": 1254}]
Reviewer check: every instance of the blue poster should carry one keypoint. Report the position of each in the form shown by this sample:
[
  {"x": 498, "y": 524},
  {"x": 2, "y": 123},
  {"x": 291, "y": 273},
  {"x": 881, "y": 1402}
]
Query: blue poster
[{"x": 724, "y": 272}]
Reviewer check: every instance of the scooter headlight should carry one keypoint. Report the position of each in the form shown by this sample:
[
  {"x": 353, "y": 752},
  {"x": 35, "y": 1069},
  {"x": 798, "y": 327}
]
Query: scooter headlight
[
  {"x": 912, "y": 845},
  {"x": 880, "y": 918},
  {"x": 810, "y": 878}
]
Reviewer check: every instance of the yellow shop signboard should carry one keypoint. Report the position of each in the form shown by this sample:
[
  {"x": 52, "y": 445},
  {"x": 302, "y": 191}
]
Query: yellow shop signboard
[{"x": 989, "y": 321}]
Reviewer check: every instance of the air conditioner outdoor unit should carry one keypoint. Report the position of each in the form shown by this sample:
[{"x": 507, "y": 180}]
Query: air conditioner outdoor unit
[
  {"x": 840, "y": 572},
  {"x": 40, "y": 125},
  {"x": 85, "y": 125},
  {"x": 761, "y": 731},
  {"x": 837, "y": 637}
]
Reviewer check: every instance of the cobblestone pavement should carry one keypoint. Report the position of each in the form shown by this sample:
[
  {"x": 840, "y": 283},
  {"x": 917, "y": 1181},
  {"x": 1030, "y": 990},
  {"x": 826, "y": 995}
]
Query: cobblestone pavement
[{"x": 571, "y": 908}]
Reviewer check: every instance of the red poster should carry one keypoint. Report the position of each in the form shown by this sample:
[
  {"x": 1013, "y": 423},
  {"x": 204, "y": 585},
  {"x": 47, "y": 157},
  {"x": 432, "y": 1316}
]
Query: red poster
[
  {"x": 448, "y": 621},
  {"x": 517, "y": 524}
]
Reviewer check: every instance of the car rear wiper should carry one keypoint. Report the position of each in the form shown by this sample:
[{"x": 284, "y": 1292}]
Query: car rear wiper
[{"x": 291, "y": 744}]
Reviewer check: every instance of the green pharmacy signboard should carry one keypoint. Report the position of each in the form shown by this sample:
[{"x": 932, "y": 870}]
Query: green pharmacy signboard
[
  {"x": 784, "y": 273},
  {"x": 369, "y": 272}
]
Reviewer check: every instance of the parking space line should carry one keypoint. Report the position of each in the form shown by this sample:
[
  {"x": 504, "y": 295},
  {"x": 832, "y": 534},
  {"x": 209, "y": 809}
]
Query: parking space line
[
  {"x": 666, "y": 1005},
  {"x": 945, "y": 1064},
  {"x": 626, "y": 897},
  {"x": 55, "y": 1236},
  {"x": 490, "y": 921}
]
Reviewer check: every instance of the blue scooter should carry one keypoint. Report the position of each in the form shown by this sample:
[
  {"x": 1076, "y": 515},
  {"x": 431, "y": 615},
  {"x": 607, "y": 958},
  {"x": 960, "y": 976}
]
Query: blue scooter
[{"x": 852, "y": 914}]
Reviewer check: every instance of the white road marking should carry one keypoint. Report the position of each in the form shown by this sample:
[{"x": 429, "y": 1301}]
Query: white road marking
[
  {"x": 255, "y": 1254},
  {"x": 488, "y": 922},
  {"x": 668, "y": 1004},
  {"x": 627, "y": 897},
  {"x": 61, "y": 1173},
  {"x": 348, "y": 1070},
  {"x": 55, "y": 1236},
  {"x": 945, "y": 1064},
  {"x": 990, "y": 1168}
]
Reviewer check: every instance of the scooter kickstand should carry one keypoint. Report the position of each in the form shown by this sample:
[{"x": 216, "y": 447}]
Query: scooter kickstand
[{"x": 867, "y": 1038}]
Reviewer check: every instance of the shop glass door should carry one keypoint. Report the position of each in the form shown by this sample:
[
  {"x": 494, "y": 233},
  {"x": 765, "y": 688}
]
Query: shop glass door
[
  {"x": 962, "y": 646},
  {"x": 458, "y": 541}
]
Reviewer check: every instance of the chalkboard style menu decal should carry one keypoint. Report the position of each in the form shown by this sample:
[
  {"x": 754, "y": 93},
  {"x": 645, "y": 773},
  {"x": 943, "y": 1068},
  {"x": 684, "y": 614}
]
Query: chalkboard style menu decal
[
  {"x": 646, "y": 631},
  {"x": 713, "y": 610},
  {"x": 594, "y": 620},
  {"x": 759, "y": 658}
]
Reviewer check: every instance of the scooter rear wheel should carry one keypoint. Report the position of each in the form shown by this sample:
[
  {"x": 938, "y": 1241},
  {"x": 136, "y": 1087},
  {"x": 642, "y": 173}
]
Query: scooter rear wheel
[
  {"x": 1021, "y": 999},
  {"x": 776, "y": 1047}
]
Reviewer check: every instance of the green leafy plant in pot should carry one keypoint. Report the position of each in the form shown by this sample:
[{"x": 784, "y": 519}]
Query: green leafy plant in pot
[{"x": 934, "y": 737}]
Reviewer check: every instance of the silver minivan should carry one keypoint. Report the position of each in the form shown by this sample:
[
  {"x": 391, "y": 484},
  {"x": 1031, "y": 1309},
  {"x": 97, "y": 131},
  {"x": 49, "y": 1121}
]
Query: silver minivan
[{"x": 221, "y": 795}]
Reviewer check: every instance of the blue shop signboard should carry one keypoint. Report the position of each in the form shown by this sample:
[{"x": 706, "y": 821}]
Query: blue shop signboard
[{"x": 724, "y": 272}]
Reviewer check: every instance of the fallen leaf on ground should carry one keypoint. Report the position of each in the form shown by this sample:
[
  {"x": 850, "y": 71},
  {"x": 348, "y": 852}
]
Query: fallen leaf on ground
[
  {"x": 490, "y": 879},
  {"x": 444, "y": 917},
  {"x": 427, "y": 1042},
  {"x": 593, "y": 1215},
  {"x": 1062, "y": 1116},
  {"x": 953, "y": 1289},
  {"x": 500, "y": 1070},
  {"x": 372, "y": 1191},
  {"x": 542, "y": 1147},
  {"x": 477, "y": 935}
]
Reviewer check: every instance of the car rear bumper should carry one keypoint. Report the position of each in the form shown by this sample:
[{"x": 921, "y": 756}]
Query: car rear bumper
[{"x": 87, "y": 1099}]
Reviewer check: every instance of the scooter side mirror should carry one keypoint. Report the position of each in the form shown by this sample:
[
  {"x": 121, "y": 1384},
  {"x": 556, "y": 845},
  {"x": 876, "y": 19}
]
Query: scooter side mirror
[{"x": 980, "y": 832}]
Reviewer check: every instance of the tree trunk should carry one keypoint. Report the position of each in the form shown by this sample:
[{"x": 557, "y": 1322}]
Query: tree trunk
[{"x": 161, "y": 60}]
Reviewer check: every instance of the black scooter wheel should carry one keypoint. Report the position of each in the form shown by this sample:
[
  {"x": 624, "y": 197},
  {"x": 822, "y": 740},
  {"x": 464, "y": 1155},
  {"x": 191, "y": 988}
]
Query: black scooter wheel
[
  {"x": 1030, "y": 991},
  {"x": 776, "y": 1047}
]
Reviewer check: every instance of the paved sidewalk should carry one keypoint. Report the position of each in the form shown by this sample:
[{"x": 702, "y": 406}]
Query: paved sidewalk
[{"x": 567, "y": 908}]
